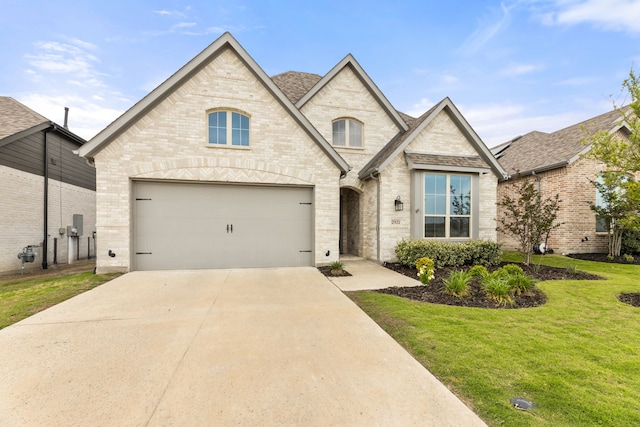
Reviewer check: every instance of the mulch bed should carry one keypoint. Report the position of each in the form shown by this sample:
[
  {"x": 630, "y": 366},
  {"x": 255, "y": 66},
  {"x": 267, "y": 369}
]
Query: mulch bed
[
  {"x": 326, "y": 270},
  {"x": 603, "y": 258},
  {"x": 631, "y": 299},
  {"x": 433, "y": 293}
]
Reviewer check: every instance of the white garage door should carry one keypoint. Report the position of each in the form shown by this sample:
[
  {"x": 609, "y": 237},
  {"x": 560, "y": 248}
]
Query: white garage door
[{"x": 192, "y": 226}]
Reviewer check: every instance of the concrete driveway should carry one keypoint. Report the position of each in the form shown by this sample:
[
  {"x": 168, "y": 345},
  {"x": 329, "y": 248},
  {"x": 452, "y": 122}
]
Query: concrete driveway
[{"x": 253, "y": 347}]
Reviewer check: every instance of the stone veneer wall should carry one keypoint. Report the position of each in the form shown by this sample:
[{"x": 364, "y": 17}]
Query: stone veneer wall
[
  {"x": 170, "y": 142},
  {"x": 441, "y": 136}
]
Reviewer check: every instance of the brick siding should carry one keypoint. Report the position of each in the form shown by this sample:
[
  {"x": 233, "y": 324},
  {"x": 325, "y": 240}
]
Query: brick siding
[{"x": 572, "y": 184}]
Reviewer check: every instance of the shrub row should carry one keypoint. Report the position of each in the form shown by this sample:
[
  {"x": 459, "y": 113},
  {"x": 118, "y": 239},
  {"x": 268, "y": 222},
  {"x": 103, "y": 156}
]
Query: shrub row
[{"x": 448, "y": 254}]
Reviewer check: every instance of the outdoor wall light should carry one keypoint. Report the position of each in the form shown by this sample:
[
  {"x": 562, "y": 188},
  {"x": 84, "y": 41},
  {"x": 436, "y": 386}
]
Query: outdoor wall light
[{"x": 398, "y": 203}]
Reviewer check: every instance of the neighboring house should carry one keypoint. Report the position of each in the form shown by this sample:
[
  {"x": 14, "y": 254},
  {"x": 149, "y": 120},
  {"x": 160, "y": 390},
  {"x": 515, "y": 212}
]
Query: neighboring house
[
  {"x": 556, "y": 163},
  {"x": 43, "y": 184},
  {"x": 223, "y": 166}
]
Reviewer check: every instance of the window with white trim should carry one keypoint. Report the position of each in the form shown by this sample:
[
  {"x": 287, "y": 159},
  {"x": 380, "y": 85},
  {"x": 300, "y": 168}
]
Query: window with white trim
[
  {"x": 447, "y": 205},
  {"x": 228, "y": 128},
  {"x": 347, "y": 133},
  {"x": 601, "y": 223},
  {"x": 601, "y": 202}
]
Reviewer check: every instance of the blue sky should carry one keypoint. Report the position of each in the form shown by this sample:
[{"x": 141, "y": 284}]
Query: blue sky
[{"x": 510, "y": 66}]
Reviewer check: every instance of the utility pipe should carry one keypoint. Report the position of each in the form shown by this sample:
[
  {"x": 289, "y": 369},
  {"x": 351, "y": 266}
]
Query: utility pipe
[{"x": 46, "y": 198}]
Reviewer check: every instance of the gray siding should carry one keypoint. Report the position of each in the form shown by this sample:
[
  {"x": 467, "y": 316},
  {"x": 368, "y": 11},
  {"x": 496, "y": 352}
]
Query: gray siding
[{"x": 27, "y": 154}]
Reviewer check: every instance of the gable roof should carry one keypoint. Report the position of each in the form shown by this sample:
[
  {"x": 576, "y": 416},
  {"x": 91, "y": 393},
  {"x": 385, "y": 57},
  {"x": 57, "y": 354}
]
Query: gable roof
[
  {"x": 224, "y": 42},
  {"x": 398, "y": 144},
  {"x": 540, "y": 151},
  {"x": 350, "y": 61},
  {"x": 18, "y": 121}
]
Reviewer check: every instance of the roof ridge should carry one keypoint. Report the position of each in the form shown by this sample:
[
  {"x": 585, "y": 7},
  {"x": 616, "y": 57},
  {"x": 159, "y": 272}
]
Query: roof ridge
[{"x": 620, "y": 110}]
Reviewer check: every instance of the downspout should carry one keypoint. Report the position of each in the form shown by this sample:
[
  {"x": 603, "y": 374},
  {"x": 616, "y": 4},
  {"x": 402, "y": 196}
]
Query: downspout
[
  {"x": 46, "y": 198},
  {"x": 377, "y": 180}
]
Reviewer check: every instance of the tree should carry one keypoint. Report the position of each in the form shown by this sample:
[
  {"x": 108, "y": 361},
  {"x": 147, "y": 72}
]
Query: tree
[
  {"x": 620, "y": 207},
  {"x": 529, "y": 217},
  {"x": 620, "y": 154}
]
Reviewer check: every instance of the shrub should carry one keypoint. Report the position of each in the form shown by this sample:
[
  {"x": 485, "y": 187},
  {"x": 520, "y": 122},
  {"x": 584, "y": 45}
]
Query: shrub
[
  {"x": 628, "y": 258},
  {"x": 457, "y": 284},
  {"x": 520, "y": 283},
  {"x": 478, "y": 271},
  {"x": 500, "y": 273},
  {"x": 426, "y": 270},
  {"x": 513, "y": 269},
  {"x": 631, "y": 242},
  {"x": 497, "y": 288},
  {"x": 448, "y": 254},
  {"x": 572, "y": 269},
  {"x": 336, "y": 265}
]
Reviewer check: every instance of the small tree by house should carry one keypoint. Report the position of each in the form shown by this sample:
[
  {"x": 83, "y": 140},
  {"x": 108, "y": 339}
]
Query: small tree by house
[
  {"x": 618, "y": 207},
  {"x": 620, "y": 194},
  {"x": 529, "y": 217}
]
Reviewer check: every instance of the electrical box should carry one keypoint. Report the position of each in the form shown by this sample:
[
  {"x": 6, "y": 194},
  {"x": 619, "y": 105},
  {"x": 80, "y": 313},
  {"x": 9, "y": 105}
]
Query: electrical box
[{"x": 77, "y": 224}]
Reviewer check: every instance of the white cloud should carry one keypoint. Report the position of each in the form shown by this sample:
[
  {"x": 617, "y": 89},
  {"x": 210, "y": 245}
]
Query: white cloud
[
  {"x": 488, "y": 28},
  {"x": 185, "y": 25},
  {"x": 419, "y": 108},
  {"x": 65, "y": 74},
  {"x": 449, "y": 79},
  {"x": 498, "y": 123},
  {"x": 165, "y": 12},
  {"x": 610, "y": 15},
  {"x": 86, "y": 117},
  {"x": 65, "y": 58},
  {"x": 519, "y": 69}
]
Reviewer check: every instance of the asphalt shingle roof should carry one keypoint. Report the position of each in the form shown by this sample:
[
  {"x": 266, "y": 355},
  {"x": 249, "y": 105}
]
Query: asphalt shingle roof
[
  {"x": 16, "y": 117},
  {"x": 295, "y": 84},
  {"x": 440, "y": 160},
  {"x": 388, "y": 149},
  {"x": 539, "y": 150}
]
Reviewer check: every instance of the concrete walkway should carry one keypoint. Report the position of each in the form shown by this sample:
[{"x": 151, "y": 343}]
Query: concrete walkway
[
  {"x": 267, "y": 347},
  {"x": 368, "y": 275}
]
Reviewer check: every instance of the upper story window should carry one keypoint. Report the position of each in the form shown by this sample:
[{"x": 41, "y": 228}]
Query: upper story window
[
  {"x": 228, "y": 128},
  {"x": 447, "y": 205},
  {"x": 347, "y": 133}
]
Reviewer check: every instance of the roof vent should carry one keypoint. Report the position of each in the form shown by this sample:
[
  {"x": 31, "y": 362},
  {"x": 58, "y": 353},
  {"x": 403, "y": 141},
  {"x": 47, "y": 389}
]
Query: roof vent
[{"x": 66, "y": 117}]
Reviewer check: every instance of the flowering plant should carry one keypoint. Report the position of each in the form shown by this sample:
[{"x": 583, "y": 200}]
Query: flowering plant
[{"x": 426, "y": 270}]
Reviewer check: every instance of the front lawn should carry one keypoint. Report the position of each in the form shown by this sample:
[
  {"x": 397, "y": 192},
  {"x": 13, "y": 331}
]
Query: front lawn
[
  {"x": 22, "y": 298},
  {"x": 577, "y": 357}
]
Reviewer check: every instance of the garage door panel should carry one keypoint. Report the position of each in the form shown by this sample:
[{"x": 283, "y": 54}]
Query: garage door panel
[{"x": 189, "y": 226}]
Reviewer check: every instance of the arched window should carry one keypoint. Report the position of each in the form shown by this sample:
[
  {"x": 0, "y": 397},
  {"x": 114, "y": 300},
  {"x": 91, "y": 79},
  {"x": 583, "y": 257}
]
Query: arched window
[
  {"x": 347, "y": 133},
  {"x": 228, "y": 128}
]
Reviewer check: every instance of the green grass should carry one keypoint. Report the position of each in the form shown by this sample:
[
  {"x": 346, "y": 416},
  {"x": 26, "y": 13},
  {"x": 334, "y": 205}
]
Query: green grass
[
  {"x": 20, "y": 299},
  {"x": 577, "y": 357}
]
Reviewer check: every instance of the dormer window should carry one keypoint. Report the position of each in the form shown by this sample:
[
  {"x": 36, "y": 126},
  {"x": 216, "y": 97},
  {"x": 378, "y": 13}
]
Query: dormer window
[
  {"x": 228, "y": 128},
  {"x": 347, "y": 133}
]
